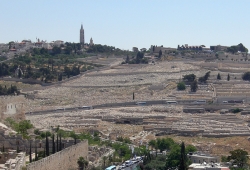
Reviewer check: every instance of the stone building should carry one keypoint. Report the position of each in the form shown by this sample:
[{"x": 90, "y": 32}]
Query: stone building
[
  {"x": 191, "y": 48},
  {"x": 135, "y": 49},
  {"x": 157, "y": 49},
  {"x": 218, "y": 48},
  {"x": 198, "y": 157},
  {"x": 82, "y": 35},
  {"x": 91, "y": 42}
]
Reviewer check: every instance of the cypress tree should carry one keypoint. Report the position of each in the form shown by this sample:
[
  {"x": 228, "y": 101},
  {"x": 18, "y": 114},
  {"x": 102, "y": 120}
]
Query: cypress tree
[
  {"x": 44, "y": 152},
  {"x": 36, "y": 158},
  {"x": 160, "y": 54},
  {"x": 53, "y": 144},
  {"x": 3, "y": 148},
  {"x": 60, "y": 147},
  {"x": 218, "y": 76},
  {"x": 133, "y": 96},
  {"x": 30, "y": 153},
  {"x": 17, "y": 148},
  {"x": 47, "y": 145},
  {"x": 57, "y": 144},
  {"x": 127, "y": 59},
  {"x": 183, "y": 160},
  {"x": 228, "y": 77},
  {"x": 194, "y": 86},
  {"x": 19, "y": 73}
]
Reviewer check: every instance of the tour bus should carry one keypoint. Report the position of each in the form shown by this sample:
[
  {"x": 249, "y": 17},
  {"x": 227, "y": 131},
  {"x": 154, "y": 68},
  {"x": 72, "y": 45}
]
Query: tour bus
[
  {"x": 87, "y": 107},
  {"x": 111, "y": 168},
  {"x": 60, "y": 109},
  {"x": 141, "y": 103},
  {"x": 171, "y": 102},
  {"x": 201, "y": 101}
]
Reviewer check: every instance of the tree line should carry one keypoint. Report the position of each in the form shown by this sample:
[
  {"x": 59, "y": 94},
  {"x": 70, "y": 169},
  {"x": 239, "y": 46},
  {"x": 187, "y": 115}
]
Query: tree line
[
  {"x": 98, "y": 48},
  {"x": 139, "y": 59},
  {"x": 12, "y": 90},
  {"x": 176, "y": 157},
  {"x": 235, "y": 48},
  {"x": 20, "y": 127},
  {"x": 191, "y": 79}
]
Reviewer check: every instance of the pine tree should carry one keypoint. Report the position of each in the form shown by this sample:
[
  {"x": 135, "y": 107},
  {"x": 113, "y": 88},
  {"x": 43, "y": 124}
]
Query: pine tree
[
  {"x": 218, "y": 76},
  {"x": 228, "y": 77},
  {"x": 183, "y": 160}
]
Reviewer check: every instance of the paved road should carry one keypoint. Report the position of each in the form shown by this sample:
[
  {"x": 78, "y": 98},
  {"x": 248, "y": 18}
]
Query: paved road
[
  {"x": 228, "y": 98},
  {"x": 131, "y": 167},
  {"x": 109, "y": 105},
  {"x": 186, "y": 103}
]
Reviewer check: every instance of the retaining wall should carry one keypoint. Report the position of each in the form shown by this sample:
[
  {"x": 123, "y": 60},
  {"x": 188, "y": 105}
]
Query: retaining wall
[{"x": 65, "y": 159}]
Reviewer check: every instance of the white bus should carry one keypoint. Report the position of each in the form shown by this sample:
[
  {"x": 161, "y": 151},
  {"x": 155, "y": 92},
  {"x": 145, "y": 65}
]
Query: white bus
[
  {"x": 141, "y": 103},
  {"x": 87, "y": 107},
  {"x": 171, "y": 102},
  {"x": 201, "y": 101}
]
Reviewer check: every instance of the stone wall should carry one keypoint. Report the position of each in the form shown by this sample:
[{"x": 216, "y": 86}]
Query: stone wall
[
  {"x": 16, "y": 141},
  {"x": 65, "y": 159}
]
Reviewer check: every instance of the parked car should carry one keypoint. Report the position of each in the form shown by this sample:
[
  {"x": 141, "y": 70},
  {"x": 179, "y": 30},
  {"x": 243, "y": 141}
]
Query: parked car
[{"x": 128, "y": 163}]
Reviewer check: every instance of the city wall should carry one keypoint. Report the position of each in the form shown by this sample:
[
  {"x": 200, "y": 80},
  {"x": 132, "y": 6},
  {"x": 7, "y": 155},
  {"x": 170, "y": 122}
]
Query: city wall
[{"x": 65, "y": 159}]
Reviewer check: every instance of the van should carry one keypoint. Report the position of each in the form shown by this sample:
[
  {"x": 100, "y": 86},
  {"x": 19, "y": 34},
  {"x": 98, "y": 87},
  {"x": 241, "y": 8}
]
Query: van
[{"x": 128, "y": 163}]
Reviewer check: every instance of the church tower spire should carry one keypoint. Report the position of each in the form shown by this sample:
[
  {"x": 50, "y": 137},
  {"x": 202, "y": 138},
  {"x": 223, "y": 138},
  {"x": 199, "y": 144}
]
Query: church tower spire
[{"x": 82, "y": 35}]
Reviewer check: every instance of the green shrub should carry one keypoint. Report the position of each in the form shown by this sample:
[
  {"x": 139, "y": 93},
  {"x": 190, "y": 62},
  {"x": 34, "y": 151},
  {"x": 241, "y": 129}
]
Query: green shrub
[
  {"x": 237, "y": 110},
  {"x": 181, "y": 86}
]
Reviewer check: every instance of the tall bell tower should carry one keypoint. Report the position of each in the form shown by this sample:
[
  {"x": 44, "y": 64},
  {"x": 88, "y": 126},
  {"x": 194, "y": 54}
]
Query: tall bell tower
[{"x": 82, "y": 35}]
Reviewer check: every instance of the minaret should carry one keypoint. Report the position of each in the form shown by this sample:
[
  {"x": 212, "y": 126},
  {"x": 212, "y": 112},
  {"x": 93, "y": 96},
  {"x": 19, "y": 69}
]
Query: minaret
[
  {"x": 91, "y": 42},
  {"x": 82, "y": 35}
]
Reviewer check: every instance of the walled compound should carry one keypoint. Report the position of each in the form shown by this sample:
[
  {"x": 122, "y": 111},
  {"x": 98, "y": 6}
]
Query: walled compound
[
  {"x": 65, "y": 159},
  {"x": 12, "y": 141}
]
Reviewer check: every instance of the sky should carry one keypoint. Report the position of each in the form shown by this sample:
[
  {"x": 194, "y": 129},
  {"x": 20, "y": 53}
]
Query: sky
[{"x": 128, "y": 23}]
